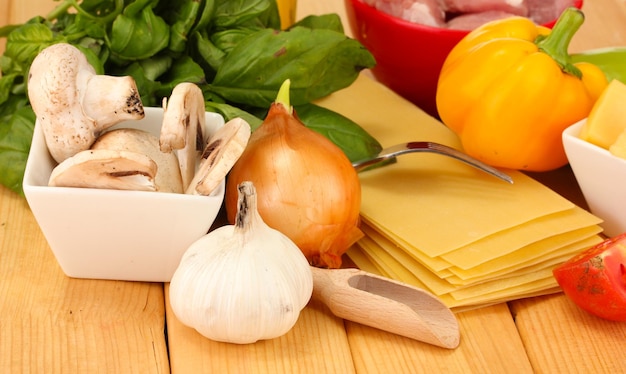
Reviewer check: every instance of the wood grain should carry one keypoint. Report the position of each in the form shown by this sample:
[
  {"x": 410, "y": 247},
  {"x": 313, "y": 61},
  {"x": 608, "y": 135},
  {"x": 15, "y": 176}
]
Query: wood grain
[
  {"x": 317, "y": 344},
  {"x": 561, "y": 338},
  {"x": 52, "y": 323},
  {"x": 489, "y": 344}
]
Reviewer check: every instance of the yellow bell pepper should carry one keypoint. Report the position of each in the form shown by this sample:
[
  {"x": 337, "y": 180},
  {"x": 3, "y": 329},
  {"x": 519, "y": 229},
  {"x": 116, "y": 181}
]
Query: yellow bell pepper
[
  {"x": 508, "y": 89},
  {"x": 287, "y": 12}
]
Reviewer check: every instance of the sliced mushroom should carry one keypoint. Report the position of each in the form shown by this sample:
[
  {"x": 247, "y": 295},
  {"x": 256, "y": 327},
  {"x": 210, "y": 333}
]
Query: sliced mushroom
[
  {"x": 104, "y": 168},
  {"x": 220, "y": 154},
  {"x": 168, "y": 178},
  {"x": 73, "y": 104},
  {"x": 183, "y": 123}
]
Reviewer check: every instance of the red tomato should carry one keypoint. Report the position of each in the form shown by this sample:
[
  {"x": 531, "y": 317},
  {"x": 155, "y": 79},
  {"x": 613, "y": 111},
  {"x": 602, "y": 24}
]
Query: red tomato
[{"x": 595, "y": 279}]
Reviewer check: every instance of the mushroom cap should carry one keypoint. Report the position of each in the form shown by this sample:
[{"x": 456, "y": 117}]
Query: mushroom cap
[
  {"x": 168, "y": 178},
  {"x": 57, "y": 79},
  {"x": 119, "y": 170}
]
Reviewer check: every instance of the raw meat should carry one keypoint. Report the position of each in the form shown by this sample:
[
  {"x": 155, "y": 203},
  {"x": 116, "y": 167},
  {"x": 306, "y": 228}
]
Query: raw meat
[
  {"x": 469, "y": 14},
  {"x": 425, "y": 12},
  {"x": 517, "y": 7},
  {"x": 542, "y": 11},
  {"x": 471, "y": 21}
]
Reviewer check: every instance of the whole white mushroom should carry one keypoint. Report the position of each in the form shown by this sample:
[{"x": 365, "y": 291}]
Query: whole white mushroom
[{"x": 73, "y": 104}]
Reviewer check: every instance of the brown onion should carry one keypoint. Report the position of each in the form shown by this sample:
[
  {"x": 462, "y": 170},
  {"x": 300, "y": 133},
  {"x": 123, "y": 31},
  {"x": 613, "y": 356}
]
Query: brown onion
[{"x": 306, "y": 186}]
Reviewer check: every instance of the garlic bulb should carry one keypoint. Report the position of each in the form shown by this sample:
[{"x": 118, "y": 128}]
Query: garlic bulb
[{"x": 241, "y": 283}]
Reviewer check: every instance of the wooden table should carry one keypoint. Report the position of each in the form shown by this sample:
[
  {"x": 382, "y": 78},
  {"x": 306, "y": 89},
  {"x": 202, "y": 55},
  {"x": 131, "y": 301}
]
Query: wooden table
[{"x": 51, "y": 323}]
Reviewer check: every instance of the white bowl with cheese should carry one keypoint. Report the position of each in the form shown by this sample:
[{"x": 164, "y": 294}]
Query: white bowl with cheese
[{"x": 601, "y": 177}]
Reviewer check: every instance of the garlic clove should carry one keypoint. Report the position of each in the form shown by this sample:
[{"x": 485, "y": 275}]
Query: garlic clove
[
  {"x": 120, "y": 170},
  {"x": 220, "y": 154},
  {"x": 168, "y": 177}
]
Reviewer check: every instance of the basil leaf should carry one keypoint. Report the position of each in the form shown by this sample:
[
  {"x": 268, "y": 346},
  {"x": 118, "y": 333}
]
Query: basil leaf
[
  {"x": 205, "y": 17},
  {"x": 26, "y": 41},
  {"x": 317, "y": 61},
  {"x": 232, "y": 13},
  {"x": 156, "y": 66},
  {"x": 184, "y": 69},
  {"x": 353, "y": 140},
  {"x": 228, "y": 39},
  {"x": 324, "y": 21},
  {"x": 183, "y": 17},
  {"x": 138, "y": 33},
  {"x": 6, "y": 84},
  {"x": 16, "y": 133},
  {"x": 207, "y": 54},
  {"x": 229, "y": 112}
]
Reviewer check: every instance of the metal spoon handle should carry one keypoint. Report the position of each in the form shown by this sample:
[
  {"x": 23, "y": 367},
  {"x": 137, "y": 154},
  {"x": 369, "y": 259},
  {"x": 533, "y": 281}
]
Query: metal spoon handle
[{"x": 411, "y": 147}]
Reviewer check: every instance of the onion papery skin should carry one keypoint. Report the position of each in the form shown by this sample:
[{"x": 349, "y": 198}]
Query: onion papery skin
[{"x": 307, "y": 188}]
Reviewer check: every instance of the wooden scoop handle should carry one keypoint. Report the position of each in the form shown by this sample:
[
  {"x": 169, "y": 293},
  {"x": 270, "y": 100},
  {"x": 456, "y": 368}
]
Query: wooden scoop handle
[{"x": 386, "y": 304}]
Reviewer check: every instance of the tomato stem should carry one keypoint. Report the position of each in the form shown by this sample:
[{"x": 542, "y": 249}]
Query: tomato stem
[{"x": 556, "y": 44}]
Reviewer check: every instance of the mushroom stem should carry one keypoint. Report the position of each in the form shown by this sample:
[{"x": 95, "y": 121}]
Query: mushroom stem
[
  {"x": 184, "y": 118},
  {"x": 109, "y": 100}
]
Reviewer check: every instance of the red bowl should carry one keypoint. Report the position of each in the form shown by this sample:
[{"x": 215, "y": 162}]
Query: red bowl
[{"x": 408, "y": 56}]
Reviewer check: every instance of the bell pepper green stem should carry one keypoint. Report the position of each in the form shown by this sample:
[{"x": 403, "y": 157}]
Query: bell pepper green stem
[
  {"x": 557, "y": 43},
  {"x": 283, "y": 96}
]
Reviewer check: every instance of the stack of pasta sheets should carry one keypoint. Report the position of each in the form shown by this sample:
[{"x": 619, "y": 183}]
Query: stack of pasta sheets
[
  {"x": 473, "y": 246},
  {"x": 439, "y": 224}
]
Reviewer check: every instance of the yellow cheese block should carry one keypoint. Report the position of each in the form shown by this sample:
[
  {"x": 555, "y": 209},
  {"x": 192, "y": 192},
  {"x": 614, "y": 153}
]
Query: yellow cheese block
[
  {"x": 618, "y": 148},
  {"x": 607, "y": 119}
]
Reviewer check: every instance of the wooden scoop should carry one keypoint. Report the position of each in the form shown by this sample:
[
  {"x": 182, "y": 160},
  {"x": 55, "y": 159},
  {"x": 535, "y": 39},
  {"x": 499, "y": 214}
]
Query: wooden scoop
[{"x": 386, "y": 304}]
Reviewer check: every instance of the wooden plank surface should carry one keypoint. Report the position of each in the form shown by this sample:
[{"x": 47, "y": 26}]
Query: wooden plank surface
[
  {"x": 316, "y": 344},
  {"x": 52, "y": 323},
  {"x": 559, "y": 337}
]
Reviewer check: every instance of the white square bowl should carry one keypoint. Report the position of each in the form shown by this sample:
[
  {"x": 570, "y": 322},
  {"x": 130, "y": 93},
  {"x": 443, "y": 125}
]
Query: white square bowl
[
  {"x": 111, "y": 234},
  {"x": 601, "y": 177}
]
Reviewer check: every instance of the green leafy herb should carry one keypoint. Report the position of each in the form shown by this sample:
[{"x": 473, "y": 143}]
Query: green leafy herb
[{"x": 233, "y": 49}]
